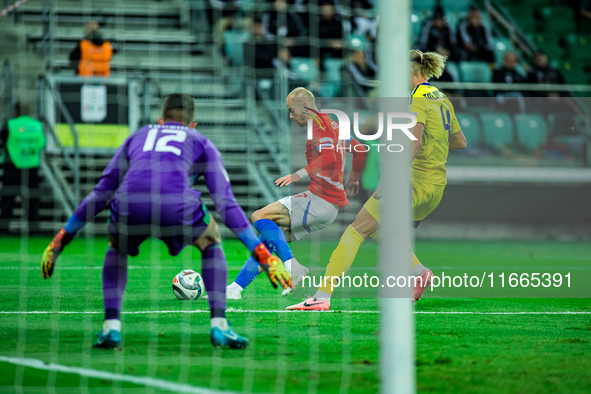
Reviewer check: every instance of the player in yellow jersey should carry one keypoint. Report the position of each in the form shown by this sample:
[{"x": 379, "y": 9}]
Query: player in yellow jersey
[{"x": 437, "y": 131}]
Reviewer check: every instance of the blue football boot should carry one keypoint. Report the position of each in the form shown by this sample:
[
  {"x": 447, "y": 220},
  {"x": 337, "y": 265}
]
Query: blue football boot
[
  {"x": 227, "y": 338},
  {"x": 110, "y": 340}
]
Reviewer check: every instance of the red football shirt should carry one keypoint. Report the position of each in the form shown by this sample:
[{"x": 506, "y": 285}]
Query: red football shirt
[{"x": 325, "y": 155}]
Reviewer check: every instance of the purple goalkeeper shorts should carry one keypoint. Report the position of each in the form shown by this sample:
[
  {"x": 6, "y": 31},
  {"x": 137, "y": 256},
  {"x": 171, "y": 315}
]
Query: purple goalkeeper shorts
[{"x": 176, "y": 224}]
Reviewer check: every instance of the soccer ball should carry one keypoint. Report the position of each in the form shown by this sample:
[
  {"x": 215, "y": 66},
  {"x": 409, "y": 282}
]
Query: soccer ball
[{"x": 187, "y": 285}]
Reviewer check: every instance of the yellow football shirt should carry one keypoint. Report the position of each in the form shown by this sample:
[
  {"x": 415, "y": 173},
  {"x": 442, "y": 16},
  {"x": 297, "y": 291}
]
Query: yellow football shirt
[{"x": 435, "y": 111}]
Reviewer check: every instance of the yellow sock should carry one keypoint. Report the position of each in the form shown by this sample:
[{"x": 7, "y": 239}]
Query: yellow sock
[
  {"x": 413, "y": 258},
  {"x": 342, "y": 257}
]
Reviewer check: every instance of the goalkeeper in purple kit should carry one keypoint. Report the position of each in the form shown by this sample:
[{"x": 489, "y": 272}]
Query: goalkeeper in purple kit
[{"x": 147, "y": 187}]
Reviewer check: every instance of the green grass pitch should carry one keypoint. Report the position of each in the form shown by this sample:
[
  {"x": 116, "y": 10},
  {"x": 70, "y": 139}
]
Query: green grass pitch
[{"x": 290, "y": 352}]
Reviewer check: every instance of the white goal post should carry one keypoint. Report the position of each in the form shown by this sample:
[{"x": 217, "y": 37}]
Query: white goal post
[{"x": 397, "y": 339}]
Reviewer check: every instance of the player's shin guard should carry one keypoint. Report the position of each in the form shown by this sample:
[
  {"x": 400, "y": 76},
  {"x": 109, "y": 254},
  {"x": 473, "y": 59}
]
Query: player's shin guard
[
  {"x": 114, "y": 282},
  {"x": 214, "y": 271},
  {"x": 274, "y": 238},
  {"x": 342, "y": 258}
]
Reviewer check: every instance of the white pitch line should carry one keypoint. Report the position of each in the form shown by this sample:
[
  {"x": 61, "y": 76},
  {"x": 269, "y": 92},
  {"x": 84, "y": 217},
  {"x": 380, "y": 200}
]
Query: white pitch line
[
  {"x": 233, "y": 263},
  {"x": 94, "y": 373},
  {"x": 232, "y": 310},
  {"x": 88, "y": 267}
]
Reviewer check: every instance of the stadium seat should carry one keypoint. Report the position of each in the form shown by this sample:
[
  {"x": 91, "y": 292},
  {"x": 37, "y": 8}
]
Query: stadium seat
[
  {"x": 558, "y": 19},
  {"x": 500, "y": 46},
  {"x": 234, "y": 46},
  {"x": 531, "y": 130},
  {"x": 475, "y": 72},
  {"x": 330, "y": 89},
  {"x": 452, "y": 19},
  {"x": 456, "y": 5},
  {"x": 524, "y": 17},
  {"x": 470, "y": 128},
  {"x": 333, "y": 69},
  {"x": 579, "y": 46},
  {"x": 529, "y": 3},
  {"x": 357, "y": 43},
  {"x": 452, "y": 68},
  {"x": 306, "y": 68},
  {"x": 549, "y": 43},
  {"x": 487, "y": 22},
  {"x": 332, "y": 86},
  {"x": 421, "y": 5},
  {"x": 534, "y": 3},
  {"x": 573, "y": 72},
  {"x": 497, "y": 129},
  {"x": 248, "y": 5}
]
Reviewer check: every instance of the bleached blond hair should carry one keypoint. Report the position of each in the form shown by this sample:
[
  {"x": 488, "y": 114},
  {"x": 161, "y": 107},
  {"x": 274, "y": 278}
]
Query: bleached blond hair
[{"x": 429, "y": 64}]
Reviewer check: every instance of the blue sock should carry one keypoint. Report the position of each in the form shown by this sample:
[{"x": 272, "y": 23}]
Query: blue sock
[
  {"x": 270, "y": 247},
  {"x": 250, "y": 269},
  {"x": 275, "y": 238}
]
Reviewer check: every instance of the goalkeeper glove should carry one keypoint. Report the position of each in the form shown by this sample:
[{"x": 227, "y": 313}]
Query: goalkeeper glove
[
  {"x": 53, "y": 251},
  {"x": 272, "y": 266}
]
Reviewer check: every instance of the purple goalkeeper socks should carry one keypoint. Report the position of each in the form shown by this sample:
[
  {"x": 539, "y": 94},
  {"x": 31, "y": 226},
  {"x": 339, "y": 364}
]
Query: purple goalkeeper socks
[
  {"x": 114, "y": 282},
  {"x": 215, "y": 275}
]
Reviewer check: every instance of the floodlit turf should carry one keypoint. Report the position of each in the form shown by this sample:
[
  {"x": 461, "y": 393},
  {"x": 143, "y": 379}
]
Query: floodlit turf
[{"x": 289, "y": 352}]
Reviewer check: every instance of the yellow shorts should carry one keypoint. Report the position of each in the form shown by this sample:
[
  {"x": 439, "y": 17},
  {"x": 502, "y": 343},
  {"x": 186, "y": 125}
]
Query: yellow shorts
[{"x": 425, "y": 198}]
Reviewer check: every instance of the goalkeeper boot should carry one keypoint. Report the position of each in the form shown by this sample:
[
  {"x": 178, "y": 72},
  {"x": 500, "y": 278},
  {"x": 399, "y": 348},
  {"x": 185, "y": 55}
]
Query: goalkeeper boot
[
  {"x": 422, "y": 283},
  {"x": 227, "y": 338},
  {"x": 311, "y": 304},
  {"x": 110, "y": 340}
]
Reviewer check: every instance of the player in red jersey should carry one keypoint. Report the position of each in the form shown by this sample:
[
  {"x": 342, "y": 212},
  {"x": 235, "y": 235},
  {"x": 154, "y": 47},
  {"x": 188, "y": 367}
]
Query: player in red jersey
[{"x": 294, "y": 217}]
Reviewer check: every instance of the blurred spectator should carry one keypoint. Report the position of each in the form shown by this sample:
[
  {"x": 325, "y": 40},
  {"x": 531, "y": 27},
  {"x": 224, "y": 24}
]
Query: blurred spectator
[
  {"x": 363, "y": 23},
  {"x": 260, "y": 50},
  {"x": 283, "y": 23},
  {"x": 221, "y": 9},
  {"x": 282, "y": 64},
  {"x": 21, "y": 143},
  {"x": 360, "y": 72},
  {"x": 507, "y": 73},
  {"x": 436, "y": 35},
  {"x": 222, "y": 17},
  {"x": 92, "y": 56},
  {"x": 330, "y": 31},
  {"x": 362, "y": 4},
  {"x": 541, "y": 72},
  {"x": 364, "y": 26},
  {"x": 474, "y": 38}
]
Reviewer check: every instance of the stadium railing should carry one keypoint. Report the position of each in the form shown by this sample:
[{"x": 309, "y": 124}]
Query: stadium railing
[
  {"x": 8, "y": 82},
  {"x": 504, "y": 19},
  {"x": 48, "y": 99}
]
